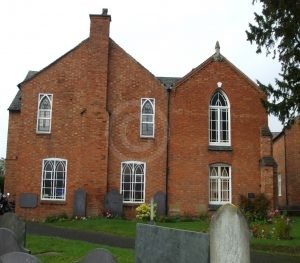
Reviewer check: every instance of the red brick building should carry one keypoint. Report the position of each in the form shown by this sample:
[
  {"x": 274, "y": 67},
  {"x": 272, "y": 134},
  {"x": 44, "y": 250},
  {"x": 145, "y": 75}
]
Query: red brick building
[
  {"x": 97, "y": 119},
  {"x": 286, "y": 152}
]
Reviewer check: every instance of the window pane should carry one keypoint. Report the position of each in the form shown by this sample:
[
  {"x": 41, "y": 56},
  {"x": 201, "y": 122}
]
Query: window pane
[
  {"x": 147, "y": 129},
  {"x": 45, "y": 103},
  {"x": 147, "y": 108},
  {"x": 147, "y": 118}
]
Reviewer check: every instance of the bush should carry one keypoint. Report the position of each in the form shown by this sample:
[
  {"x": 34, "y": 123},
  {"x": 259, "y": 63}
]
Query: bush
[
  {"x": 143, "y": 212},
  {"x": 276, "y": 227},
  {"x": 255, "y": 209},
  {"x": 1, "y": 184},
  {"x": 56, "y": 218}
]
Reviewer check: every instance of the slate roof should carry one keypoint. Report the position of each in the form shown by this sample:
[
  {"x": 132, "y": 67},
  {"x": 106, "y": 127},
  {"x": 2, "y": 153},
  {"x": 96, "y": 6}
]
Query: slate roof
[
  {"x": 168, "y": 82},
  {"x": 16, "y": 103}
]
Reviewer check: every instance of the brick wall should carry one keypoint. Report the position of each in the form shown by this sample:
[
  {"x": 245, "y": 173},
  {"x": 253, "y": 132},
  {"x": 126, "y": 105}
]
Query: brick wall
[
  {"x": 79, "y": 133},
  {"x": 129, "y": 81},
  {"x": 189, "y": 154},
  {"x": 293, "y": 163},
  {"x": 279, "y": 156}
]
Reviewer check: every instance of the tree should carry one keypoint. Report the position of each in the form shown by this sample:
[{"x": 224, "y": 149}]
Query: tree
[
  {"x": 2, "y": 166},
  {"x": 278, "y": 31}
]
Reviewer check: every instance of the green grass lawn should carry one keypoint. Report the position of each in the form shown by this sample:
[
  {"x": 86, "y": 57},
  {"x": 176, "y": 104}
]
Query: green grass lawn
[
  {"x": 127, "y": 228},
  {"x": 58, "y": 250}
]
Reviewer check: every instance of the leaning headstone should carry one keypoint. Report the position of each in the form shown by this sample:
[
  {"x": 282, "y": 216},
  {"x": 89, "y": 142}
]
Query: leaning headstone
[
  {"x": 8, "y": 242},
  {"x": 18, "y": 257},
  {"x": 160, "y": 201},
  {"x": 12, "y": 222},
  {"x": 79, "y": 207},
  {"x": 161, "y": 244},
  {"x": 229, "y": 236},
  {"x": 113, "y": 201},
  {"x": 99, "y": 255},
  {"x": 28, "y": 200}
]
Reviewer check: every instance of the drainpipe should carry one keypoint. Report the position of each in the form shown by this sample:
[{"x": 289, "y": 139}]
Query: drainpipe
[
  {"x": 285, "y": 171},
  {"x": 168, "y": 146}
]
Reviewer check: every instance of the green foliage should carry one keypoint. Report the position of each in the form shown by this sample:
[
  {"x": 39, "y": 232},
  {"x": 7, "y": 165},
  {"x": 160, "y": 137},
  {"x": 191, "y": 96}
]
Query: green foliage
[
  {"x": 255, "y": 209},
  {"x": 277, "y": 226},
  {"x": 143, "y": 212},
  {"x": 56, "y": 218},
  {"x": 277, "y": 29},
  {"x": 2, "y": 166},
  {"x": 1, "y": 184}
]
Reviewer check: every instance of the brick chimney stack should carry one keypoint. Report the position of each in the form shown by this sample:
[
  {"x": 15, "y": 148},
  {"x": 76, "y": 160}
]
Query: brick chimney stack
[{"x": 100, "y": 25}]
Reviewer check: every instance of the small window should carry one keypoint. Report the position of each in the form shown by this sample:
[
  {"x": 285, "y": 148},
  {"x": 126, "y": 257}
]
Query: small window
[
  {"x": 147, "y": 121},
  {"x": 219, "y": 120},
  {"x": 133, "y": 181},
  {"x": 279, "y": 184},
  {"x": 54, "y": 175},
  {"x": 219, "y": 184},
  {"x": 44, "y": 113}
]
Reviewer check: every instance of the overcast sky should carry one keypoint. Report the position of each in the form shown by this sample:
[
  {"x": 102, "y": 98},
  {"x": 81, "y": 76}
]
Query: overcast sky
[{"x": 168, "y": 37}]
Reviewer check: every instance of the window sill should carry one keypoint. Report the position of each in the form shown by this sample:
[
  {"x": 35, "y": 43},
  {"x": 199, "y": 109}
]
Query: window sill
[
  {"x": 132, "y": 204},
  {"x": 53, "y": 202},
  {"x": 219, "y": 148}
]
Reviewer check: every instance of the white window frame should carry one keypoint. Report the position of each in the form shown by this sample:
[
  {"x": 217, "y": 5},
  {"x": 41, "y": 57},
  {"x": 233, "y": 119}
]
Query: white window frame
[
  {"x": 152, "y": 102},
  {"x": 219, "y": 179},
  {"x": 53, "y": 180},
  {"x": 219, "y": 110},
  {"x": 132, "y": 165},
  {"x": 41, "y": 118},
  {"x": 279, "y": 182}
]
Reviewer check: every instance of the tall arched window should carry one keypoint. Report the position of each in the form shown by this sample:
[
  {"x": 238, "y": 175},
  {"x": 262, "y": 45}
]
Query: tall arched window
[
  {"x": 133, "y": 181},
  {"x": 219, "y": 120},
  {"x": 44, "y": 113},
  {"x": 54, "y": 176},
  {"x": 147, "y": 117}
]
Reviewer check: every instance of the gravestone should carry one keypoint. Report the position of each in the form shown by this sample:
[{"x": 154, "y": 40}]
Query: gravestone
[
  {"x": 229, "y": 236},
  {"x": 99, "y": 255},
  {"x": 28, "y": 200},
  {"x": 79, "y": 206},
  {"x": 8, "y": 242},
  {"x": 160, "y": 201},
  {"x": 161, "y": 244},
  {"x": 12, "y": 222},
  {"x": 18, "y": 257},
  {"x": 113, "y": 201}
]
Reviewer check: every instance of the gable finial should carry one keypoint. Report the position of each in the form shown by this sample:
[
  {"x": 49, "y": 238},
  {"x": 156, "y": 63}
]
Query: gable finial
[
  {"x": 217, "y": 56},
  {"x": 217, "y": 47}
]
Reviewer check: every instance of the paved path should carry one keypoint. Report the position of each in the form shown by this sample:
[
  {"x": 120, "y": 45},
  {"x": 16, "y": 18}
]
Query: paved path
[
  {"x": 123, "y": 242},
  {"x": 92, "y": 237}
]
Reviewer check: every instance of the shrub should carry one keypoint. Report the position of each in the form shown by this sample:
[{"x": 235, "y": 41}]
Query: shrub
[
  {"x": 277, "y": 226},
  {"x": 143, "y": 212},
  {"x": 255, "y": 209},
  {"x": 56, "y": 218},
  {"x": 1, "y": 184}
]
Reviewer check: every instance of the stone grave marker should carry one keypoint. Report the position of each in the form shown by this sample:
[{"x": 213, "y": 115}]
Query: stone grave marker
[
  {"x": 99, "y": 255},
  {"x": 161, "y": 244},
  {"x": 12, "y": 222},
  {"x": 160, "y": 201},
  {"x": 28, "y": 200},
  {"x": 113, "y": 201},
  {"x": 18, "y": 257},
  {"x": 229, "y": 236},
  {"x": 79, "y": 206},
  {"x": 8, "y": 242}
]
